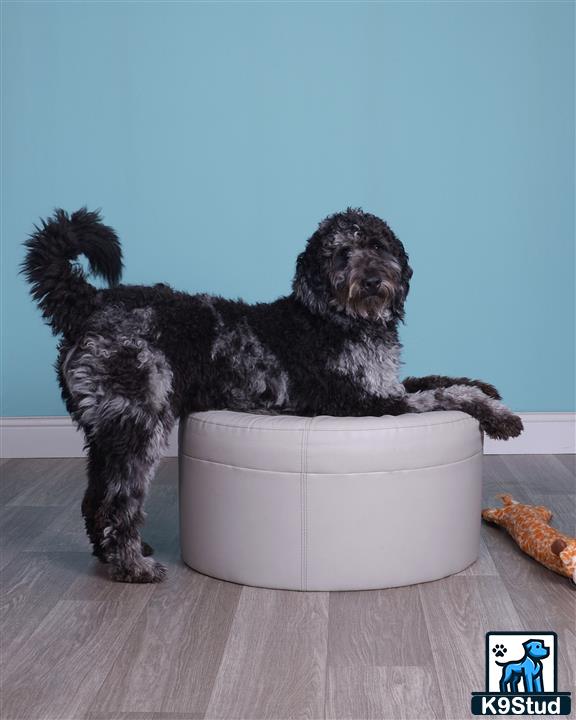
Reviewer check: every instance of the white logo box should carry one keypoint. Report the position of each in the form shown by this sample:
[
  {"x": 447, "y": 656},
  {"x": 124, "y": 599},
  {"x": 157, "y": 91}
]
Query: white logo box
[{"x": 515, "y": 651}]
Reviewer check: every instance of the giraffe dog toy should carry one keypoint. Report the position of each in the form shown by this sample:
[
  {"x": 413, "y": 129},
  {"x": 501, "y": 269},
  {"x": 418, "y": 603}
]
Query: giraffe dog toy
[{"x": 528, "y": 525}]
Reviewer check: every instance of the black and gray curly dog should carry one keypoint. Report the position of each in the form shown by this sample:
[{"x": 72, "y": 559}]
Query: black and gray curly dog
[{"x": 133, "y": 359}]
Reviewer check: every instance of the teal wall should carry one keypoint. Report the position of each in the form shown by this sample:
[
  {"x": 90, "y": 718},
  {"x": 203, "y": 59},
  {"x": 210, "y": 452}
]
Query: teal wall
[{"x": 216, "y": 135}]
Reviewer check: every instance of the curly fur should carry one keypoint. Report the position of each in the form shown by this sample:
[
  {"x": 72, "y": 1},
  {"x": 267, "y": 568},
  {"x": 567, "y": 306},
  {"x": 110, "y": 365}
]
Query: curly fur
[{"x": 133, "y": 359}]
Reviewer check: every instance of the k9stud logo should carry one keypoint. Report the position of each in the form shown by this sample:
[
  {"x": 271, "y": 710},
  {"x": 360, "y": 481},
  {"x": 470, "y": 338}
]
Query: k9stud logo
[{"x": 521, "y": 676}]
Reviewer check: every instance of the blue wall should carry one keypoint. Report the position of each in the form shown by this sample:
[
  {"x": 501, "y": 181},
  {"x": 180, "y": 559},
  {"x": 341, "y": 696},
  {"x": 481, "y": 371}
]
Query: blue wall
[{"x": 216, "y": 135}]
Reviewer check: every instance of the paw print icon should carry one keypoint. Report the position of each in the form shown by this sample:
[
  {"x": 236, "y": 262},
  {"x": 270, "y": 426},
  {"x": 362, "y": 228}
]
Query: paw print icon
[{"x": 499, "y": 650}]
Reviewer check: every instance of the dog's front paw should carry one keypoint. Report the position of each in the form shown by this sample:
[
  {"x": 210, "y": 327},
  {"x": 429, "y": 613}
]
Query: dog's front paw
[
  {"x": 142, "y": 570},
  {"x": 502, "y": 426}
]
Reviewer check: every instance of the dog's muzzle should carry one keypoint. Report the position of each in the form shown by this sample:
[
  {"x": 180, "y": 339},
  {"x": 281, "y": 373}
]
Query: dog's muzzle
[
  {"x": 368, "y": 288},
  {"x": 371, "y": 285},
  {"x": 371, "y": 299}
]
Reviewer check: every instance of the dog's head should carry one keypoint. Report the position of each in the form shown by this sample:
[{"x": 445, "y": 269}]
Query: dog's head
[
  {"x": 566, "y": 551},
  {"x": 536, "y": 649},
  {"x": 354, "y": 264}
]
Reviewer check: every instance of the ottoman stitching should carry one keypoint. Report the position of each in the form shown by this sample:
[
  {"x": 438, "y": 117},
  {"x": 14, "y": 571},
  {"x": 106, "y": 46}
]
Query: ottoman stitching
[
  {"x": 304, "y": 504},
  {"x": 296, "y": 429},
  {"x": 301, "y": 512},
  {"x": 315, "y": 474}
]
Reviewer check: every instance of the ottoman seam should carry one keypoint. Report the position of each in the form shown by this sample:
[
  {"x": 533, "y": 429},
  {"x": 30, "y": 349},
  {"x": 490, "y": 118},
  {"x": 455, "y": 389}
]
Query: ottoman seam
[
  {"x": 318, "y": 474},
  {"x": 302, "y": 510},
  {"x": 318, "y": 429},
  {"x": 304, "y": 504}
]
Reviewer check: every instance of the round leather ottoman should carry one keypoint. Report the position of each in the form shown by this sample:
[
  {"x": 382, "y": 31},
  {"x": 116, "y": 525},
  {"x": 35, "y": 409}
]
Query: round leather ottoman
[{"x": 329, "y": 503}]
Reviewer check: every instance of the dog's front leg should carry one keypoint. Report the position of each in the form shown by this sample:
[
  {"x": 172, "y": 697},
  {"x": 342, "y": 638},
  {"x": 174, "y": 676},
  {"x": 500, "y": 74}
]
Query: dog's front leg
[
  {"x": 339, "y": 396},
  {"x": 495, "y": 419},
  {"x": 432, "y": 382},
  {"x": 528, "y": 682}
]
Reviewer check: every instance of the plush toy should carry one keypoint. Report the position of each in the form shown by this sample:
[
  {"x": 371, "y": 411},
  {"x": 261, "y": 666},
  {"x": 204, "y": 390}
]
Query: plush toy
[{"x": 528, "y": 525}]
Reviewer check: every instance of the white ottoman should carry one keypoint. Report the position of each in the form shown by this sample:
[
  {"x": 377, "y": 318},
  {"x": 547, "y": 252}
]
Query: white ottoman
[{"x": 330, "y": 503}]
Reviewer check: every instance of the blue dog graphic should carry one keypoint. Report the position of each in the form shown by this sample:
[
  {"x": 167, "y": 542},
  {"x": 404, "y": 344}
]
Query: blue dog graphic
[{"x": 528, "y": 669}]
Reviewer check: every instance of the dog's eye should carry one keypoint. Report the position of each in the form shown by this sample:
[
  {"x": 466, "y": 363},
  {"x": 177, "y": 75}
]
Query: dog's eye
[{"x": 341, "y": 259}]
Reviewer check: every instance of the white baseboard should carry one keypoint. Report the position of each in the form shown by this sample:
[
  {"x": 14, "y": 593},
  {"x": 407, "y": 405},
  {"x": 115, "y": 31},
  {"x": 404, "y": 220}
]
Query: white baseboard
[
  {"x": 50, "y": 437},
  {"x": 545, "y": 433}
]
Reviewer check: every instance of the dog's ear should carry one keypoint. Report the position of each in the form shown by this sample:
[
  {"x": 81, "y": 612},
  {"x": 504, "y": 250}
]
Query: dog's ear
[
  {"x": 398, "y": 249},
  {"x": 310, "y": 284},
  {"x": 558, "y": 545},
  {"x": 533, "y": 641}
]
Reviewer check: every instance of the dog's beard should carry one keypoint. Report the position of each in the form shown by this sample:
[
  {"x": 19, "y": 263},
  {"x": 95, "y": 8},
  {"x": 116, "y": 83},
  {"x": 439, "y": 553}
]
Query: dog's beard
[
  {"x": 351, "y": 296},
  {"x": 352, "y": 300}
]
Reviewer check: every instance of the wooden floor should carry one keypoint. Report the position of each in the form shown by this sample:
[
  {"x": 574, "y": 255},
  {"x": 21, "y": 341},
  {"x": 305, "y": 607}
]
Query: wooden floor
[{"x": 78, "y": 647}]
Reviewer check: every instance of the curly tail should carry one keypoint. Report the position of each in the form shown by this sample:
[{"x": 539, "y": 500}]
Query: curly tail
[{"x": 58, "y": 285}]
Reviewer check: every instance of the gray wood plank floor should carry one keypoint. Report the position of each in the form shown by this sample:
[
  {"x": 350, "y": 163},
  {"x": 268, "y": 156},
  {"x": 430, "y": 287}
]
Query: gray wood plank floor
[{"x": 75, "y": 646}]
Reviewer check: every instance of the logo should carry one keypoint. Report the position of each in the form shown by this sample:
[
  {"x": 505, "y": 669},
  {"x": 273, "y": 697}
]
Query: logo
[{"x": 521, "y": 673}]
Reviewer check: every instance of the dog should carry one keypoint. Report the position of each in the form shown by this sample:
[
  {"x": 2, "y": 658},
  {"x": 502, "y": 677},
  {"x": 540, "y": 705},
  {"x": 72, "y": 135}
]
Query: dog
[
  {"x": 528, "y": 669},
  {"x": 133, "y": 359}
]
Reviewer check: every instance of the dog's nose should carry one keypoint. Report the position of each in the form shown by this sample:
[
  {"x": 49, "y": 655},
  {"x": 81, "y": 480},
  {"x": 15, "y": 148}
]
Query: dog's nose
[{"x": 371, "y": 283}]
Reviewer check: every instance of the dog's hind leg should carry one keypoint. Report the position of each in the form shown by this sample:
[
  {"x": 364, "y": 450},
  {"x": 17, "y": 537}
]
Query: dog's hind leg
[
  {"x": 119, "y": 391},
  {"x": 123, "y": 457},
  {"x": 505, "y": 679},
  {"x": 93, "y": 498}
]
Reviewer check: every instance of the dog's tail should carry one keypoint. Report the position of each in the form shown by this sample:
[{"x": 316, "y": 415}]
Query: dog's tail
[{"x": 58, "y": 285}]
